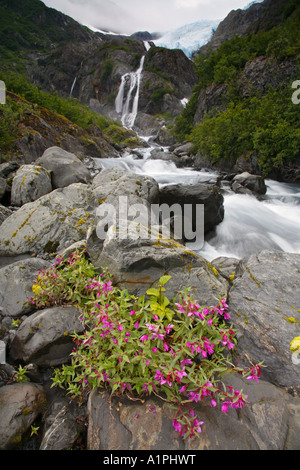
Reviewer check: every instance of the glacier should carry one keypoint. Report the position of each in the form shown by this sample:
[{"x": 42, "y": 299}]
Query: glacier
[{"x": 189, "y": 38}]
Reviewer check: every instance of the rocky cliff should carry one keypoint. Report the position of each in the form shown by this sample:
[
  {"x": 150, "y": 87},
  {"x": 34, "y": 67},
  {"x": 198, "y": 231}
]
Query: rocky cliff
[
  {"x": 58, "y": 54},
  {"x": 258, "y": 17}
]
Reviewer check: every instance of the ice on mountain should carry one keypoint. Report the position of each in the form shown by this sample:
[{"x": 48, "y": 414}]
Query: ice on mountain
[{"x": 190, "y": 37}]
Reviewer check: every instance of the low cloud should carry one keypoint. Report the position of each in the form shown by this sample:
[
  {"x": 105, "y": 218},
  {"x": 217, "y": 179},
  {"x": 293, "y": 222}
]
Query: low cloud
[{"x": 129, "y": 16}]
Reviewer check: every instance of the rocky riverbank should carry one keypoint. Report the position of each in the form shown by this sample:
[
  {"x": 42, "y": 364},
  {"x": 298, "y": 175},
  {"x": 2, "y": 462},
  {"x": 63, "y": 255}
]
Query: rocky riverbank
[{"x": 52, "y": 206}]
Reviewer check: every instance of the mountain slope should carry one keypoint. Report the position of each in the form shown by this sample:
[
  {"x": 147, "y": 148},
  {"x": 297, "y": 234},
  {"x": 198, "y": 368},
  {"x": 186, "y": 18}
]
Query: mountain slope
[
  {"x": 259, "y": 16},
  {"x": 241, "y": 109}
]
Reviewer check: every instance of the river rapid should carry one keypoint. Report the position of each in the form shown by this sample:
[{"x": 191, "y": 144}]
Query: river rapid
[{"x": 249, "y": 226}]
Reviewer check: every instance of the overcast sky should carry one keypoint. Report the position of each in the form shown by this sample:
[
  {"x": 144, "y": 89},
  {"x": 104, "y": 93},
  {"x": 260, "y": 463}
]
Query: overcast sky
[{"x": 129, "y": 16}]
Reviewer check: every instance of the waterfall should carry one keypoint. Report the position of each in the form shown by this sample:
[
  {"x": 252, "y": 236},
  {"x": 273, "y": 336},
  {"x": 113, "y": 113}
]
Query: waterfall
[
  {"x": 127, "y": 100},
  {"x": 72, "y": 87}
]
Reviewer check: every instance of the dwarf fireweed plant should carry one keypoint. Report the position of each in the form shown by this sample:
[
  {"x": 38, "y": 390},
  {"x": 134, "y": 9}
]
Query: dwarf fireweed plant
[{"x": 176, "y": 350}]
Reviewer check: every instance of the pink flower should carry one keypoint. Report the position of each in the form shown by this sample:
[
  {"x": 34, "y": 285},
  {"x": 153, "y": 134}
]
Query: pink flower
[
  {"x": 194, "y": 396},
  {"x": 144, "y": 338},
  {"x": 159, "y": 377},
  {"x": 157, "y": 335},
  {"x": 180, "y": 375},
  {"x": 169, "y": 328},
  {"x": 186, "y": 361},
  {"x": 176, "y": 425},
  {"x": 197, "y": 424},
  {"x": 132, "y": 313},
  {"x": 136, "y": 325},
  {"x": 152, "y": 327},
  {"x": 180, "y": 308},
  {"x": 224, "y": 407},
  {"x": 213, "y": 403},
  {"x": 255, "y": 373},
  {"x": 166, "y": 347}
]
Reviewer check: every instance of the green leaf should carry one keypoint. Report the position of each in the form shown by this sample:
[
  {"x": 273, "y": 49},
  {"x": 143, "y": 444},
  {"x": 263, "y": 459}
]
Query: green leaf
[
  {"x": 153, "y": 291},
  {"x": 164, "y": 279},
  {"x": 164, "y": 301}
]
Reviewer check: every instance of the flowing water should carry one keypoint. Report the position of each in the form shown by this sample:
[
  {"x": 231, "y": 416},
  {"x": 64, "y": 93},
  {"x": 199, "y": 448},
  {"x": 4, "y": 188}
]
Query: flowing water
[
  {"x": 249, "y": 226},
  {"x": 127, "y": 99}
]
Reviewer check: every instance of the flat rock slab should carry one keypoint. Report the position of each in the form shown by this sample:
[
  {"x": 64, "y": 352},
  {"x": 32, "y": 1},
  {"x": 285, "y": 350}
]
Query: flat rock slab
[
  {"x": 20, "y": 404},
  {"x": 268, "y": 422},
  {"x": 16, "y": 282},
  {"x": 265, "y": 293},
  {"x": 44, "y": 338}
]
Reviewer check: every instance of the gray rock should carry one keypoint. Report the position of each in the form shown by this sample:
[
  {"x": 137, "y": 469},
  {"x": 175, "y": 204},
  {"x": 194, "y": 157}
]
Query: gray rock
[
  {"x": 66, "y": 168},
  {"x": 144, "y": 255},
  {"x": 265, "y": 294},
  {"x": 2, "y": 188},
  {"x": 226, "y": 266},
  {"x": 4, "y": 213},
  {"x": 30, "y": 183},
  {"x": 61, "y": 428},
  {"x": 51, "y": 223},
  {"x": 112, "y": 183},
  {"x": 183, "y": 149},
  {"x": 207, "y": 194},
  {"x": 16, "y": 282},
  {"x": 269, "y": 422},
  {"x": 165, "y": 137},
  {"x": 44, "y": 338},
  {"x": 20, "y": 404},
  {"x": 253, "y": 183},
  {"x": 8, "y": 168}
]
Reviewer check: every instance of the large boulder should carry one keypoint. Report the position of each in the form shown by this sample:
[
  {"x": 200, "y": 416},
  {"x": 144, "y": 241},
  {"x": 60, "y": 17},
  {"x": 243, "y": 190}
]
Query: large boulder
[
  {"x": 66, "y": 168},
  {"x": 51, "y": 223},
  {"x": 2, "y": 188},
  {"x": 253, "y": 183},
  {"x": 269, "y": 422},
  {"x": 30, "y": 183},
  {"x": 264, "y": 296},
  {"x": 138, "y": 255},
  {"x": 208, "y": 195},
  {"x": 64, "y": 423},
  {"x": 20, "y": 405},
  {"x": 4, "y": 213},
  {"x": 44, "y": 338},
  {"x": 112, "y": 183},
  {"x": 16, "y": 282}
]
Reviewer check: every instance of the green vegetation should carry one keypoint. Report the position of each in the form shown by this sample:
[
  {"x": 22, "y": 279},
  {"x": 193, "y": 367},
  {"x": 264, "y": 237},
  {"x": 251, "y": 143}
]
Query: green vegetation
[
  {"x": 267, "y": 123},
  {"x": 31, "y": 25},
  {"x": 159, "y": 93},
  {"x": 137, "y": 347},
  {"x": 11, "y": 113},
  {"x": 71, "y": 108}
]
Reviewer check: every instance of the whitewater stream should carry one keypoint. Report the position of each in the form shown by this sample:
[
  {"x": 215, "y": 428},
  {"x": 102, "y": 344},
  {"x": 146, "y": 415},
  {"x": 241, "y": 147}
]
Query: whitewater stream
[{"x": 249, "y": 226}]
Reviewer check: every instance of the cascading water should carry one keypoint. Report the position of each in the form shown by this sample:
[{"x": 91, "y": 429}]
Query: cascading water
[
  {"x": 127, "y": 99},
  {"x": 249, "y": 226},
  {"x": 72, "y": 87}
]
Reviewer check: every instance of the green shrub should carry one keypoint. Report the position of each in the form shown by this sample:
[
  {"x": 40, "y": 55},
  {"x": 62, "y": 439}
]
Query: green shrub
[{"x": 141, "y": 346}]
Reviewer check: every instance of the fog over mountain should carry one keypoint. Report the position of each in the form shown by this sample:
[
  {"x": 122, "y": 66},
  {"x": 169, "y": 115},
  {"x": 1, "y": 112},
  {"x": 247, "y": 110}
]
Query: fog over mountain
[{"x": 129, "y": 16}]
